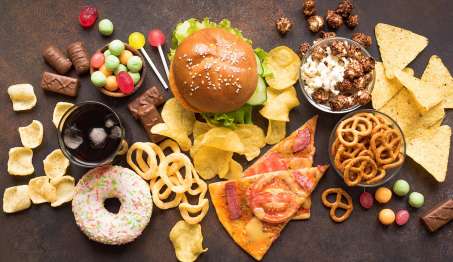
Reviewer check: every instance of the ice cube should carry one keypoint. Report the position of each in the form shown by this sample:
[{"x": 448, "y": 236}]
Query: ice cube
[
  {"x": 72, "y": 138},
  {"x": 109, "y": 123},
  {"x": 98, "y": 137},
  {"x": 115, "y": 132}
]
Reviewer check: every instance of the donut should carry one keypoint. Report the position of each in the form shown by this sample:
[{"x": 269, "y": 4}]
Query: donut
[{"x": 96, "y": 221}]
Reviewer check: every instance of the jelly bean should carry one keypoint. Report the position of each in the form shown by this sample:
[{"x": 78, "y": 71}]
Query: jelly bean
[
  {"x": 116, "y": 47},
  {"x": 120, "y": 68},
  {"x": 383, "y": 195},
  {"x": 134, "y": 64},
  {"x": 125, "y": 83},
  {"x": 156, "y": 38},
  {"x": 105, "y": 27},
  {"x": 87, "y": 16},
  {"x": 112, "y": 62},
  {"x": 105, "y": 71},
  {"x": 111, "y": 84},
  {"x": 97, "y": 60},
  {"x": 386, "y": 216},
  {"x": 98, "y": 79},
  {"x": 401, "y": 187},
  {"x": 124, "y": 56},
  {"x": 366, "y": 200},
  {"x": 136, "y": 40},
  {"x": 402, "y": 217},
  {"x": 416, "y": 199}
]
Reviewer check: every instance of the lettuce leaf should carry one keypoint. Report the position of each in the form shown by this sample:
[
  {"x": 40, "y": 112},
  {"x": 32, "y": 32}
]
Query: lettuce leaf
[
  {"x": 241, "y": 116},
  {"x": 262, "y": 55}
]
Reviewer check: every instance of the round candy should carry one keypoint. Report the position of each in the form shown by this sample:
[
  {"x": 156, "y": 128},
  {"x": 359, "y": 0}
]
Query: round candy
[
  {"x": 401, "y": 187},
  {"x": 107, "y": 53},
  {"x": 105, "y": 27},
  {"x": 116, "y": 47},
  {"x": 136, "y": 40},
  {"x": 98, "y": 79},
  {"x": 124, "y": 56},
  {"x": 120, "y": 68},
  {"x": 125, "y": 83},
  {"x": 156, "y": 38},
  {"x": 87, "y": 16},
  {"x": 416, "y": 199},
  {"x": 111, "y": 62},
  {"x": 383, "y": 195},
  {"x": 134, "y": 64},
  {"x": 111, "y": 84},
  {"x": 402, "y": 217},
  {"x": 366, "y": 200},
  {"x": 97, "y": 60},
  {"x": 105, "y": 71},
  {"x": 135, "y": 77},
  {"x": 386, "y": 216}
]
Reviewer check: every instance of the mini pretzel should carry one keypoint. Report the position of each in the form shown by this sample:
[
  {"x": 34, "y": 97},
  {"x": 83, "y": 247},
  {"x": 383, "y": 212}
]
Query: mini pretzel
[
  {"x": 385, "y": 146},
  {"x": 380, "y": 175},
  {"x": 350, "y": 130},
  {"x": 338, "y": 203},
  {"x": 361, "y": 167},
  {"x": 344, "y": 154}
]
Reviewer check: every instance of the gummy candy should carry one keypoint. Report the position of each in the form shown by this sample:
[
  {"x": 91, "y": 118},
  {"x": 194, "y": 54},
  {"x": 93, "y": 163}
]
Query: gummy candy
[
  {"x": 125, "y": 83},
  {"x": 156, "y": 38},
  {"x": 136, "y": 40},
  {"x": 88, "y": 15}
]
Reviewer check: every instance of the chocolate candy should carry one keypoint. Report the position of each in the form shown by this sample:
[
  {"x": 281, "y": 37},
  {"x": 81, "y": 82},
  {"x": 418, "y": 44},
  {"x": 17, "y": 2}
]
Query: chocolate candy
[
  {"x": 149, "y": 117},
  {"x": 152, "y": 96},
  {"x": 60, "y": 84},
  {"x": 439, "y": 215},
  {"x": 79, "y": 57},
  {"x": 56, "y": 59}
]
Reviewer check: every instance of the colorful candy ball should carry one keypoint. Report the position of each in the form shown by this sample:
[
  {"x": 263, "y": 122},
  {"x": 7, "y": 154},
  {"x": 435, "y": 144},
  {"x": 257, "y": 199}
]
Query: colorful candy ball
[
  {"x": 105, "y": 71},
  {"x": 116, "y": 47},
  {"x": 136, "y": 40},
  {"x": 98, "y": 79},
  {"x": 87, "y": 16},
  {"x": 97, "y": 60},
  {"x": 120, "y": 68},
  {"x": 366, "y": 200},
  {"x": 156, "y": 38},
  {"x": 383, "y": 195},
  {"x": 135, "y": 77},
  {"x": 401, "y": 187},
  {"x": 111, "y": 83},
  {"x": 105, "y": 27},
  {"x": 386, "y": 216},
  {"x": 124, "y": 56},
  {"x": 416, "y": 199},
  {"x": 112, "y": 62},
  {"x": 125, "y": 83},
  {"x": 134, "y": 64},
  {"x": 402, "y": 216},
  {"x": 107, "y": 53}
]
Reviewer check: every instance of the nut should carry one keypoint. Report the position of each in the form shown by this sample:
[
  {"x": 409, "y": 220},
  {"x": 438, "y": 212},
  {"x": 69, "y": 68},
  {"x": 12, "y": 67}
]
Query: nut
[
  {"x": 315, "y": 23},
  {"x": 363, "y": 39},
  {"x": 283, "y": 25},
  {"x": 309, "y": 7},
  {"x": 363, "y": 81},
  {"x": 333, "y": 19},
  {"x": 341, "y": 102},
  {"x": 325, "y": 34},
  {"x": 345, "y": 86},
  {"x": 321, "y": 96},
  {"x": 353, "y": 70},
  {"x": 362, "y": 97},
  {"x": 352, "y": 21},
  {"x": 318, "y": 53},
  {"x": 367, "y": 64},
  {"x": 344, "y": 8},
  {"x": 303, "y": 48},
  {"x": 339, "y": 48}
]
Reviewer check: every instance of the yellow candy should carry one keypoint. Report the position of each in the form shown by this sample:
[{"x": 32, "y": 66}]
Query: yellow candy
[
  {"x": 111, "y": 84},
  {"x": 386, "y": 216},
  {"x": 124, "y": 56},
  {"x": 383, "y": 195},
  {"x": 105, "y": 71},
  {"x": 136, "y": 40}
]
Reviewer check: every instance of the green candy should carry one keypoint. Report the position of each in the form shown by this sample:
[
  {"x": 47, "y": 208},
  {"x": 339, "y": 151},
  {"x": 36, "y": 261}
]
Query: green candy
[
  {"x": 134, "y": 64},
  {"x": 105, "y": 27},
  {"x": 98, "y": 79},
  {"x": 107, "y": 53},
  {"x": 135, "y": 77},
  {"x": 116, "y": 47},
  {"x": 416, "y": 200},
  {"x": 120, "y": 68},
  {"x": 401, "y": 187},
  {"x": 112, "y": 62}
]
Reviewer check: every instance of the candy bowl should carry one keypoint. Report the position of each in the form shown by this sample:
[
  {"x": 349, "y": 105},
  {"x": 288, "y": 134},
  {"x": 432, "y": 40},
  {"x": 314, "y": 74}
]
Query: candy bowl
[
  {"x": 367, "y": 148},
  {"x": 113, "y": 74}
]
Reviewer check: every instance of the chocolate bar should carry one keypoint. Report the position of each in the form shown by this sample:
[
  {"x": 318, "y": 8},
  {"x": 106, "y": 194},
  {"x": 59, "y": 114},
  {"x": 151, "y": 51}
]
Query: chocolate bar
[
  {"x": 60, "y": 84},
  {"x": 439, "y": 215},
  {"x": 79, "y": 57},
  {"x": 56, "y": 59},
  {"x": 149, "y": 117},
  {"x": 153, "y": 96}
]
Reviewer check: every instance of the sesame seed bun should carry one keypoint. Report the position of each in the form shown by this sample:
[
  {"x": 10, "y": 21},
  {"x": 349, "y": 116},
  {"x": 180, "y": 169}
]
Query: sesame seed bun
[{"x": 213, "y": 71}]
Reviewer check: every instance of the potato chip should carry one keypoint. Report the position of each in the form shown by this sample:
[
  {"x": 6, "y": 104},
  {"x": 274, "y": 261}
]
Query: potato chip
[
  {"x": 177, "y": 117},
  {"x": 16, "y": 199},
  {"x": 438, "y": 75},
  {"x": 187, "y": 240},
  {"x": 31, "y": 135},
  {"x": 65, "y": 187},
  {"x": 235, "y": 170},
  {"x": 41, "y": 191},
  {"x": 252, "y": 137},
  {"x": 200, "y": 128},
  {"x": 20, "y": 161},
  {"x": 179, "y": 136},
  {"x": 284, "y": 64},
  {"x": 59, "y": 110},
  {"x": 279, "y": 104},
  {"x": 430, "y": 148},
  {"x": 398, "y": 47},
  {"x": 426, "y": 95},
  {"x": 55, "y": 164},
  {"x": 22, "y": 96},
  {"x": 276, "y": 131},
  {"x": 210, "y": 162},
  {"x": 222, "y": 138}
]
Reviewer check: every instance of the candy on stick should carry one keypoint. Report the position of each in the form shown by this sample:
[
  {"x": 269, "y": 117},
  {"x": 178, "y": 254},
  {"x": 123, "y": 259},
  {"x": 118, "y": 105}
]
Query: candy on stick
[
  {"x": 156, "y": 39},
  {"x": 137, "y": 41}
]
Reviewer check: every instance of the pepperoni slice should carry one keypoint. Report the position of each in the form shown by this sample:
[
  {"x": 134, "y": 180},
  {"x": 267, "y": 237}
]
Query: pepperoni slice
[
  {"x": 273, "y": 162},
  {"x": 302, "y": 140},
  {"x": 305, "y": 181},
  {"x": 232, "y": 200}
]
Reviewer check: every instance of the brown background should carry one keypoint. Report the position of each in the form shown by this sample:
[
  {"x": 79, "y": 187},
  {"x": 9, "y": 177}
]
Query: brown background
[{"x": 43, "y": 233}]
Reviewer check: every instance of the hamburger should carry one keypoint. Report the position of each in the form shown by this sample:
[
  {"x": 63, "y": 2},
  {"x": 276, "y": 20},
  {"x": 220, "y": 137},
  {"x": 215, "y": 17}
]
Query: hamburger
[{"x": 214, "y": 71}]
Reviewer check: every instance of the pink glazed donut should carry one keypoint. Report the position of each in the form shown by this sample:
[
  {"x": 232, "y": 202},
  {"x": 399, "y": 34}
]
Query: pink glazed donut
[{"x": 96, "y": 221}]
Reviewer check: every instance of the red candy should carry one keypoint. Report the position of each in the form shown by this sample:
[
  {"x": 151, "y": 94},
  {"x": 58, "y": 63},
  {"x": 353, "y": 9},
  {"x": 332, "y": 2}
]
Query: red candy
[
  {"x": 88, "y": 16},
  {"x": 402, "y": 217},
  {"x": 156, "y": 38},
  {"x": 125, "y": 83},
  {"x": 366, "y": 200},
  {"x": 97, "y": 60}
]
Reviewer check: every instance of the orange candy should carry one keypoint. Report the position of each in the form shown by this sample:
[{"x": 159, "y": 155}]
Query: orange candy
[{"x": 111, "y": 84}]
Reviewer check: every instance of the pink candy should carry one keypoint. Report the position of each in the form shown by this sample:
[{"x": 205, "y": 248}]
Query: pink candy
[
  {"x": 125, "y": 82},
  {"x": 156, "y": 38},
  {"x": 366, "y": 200},
  {"x": 87, "y": 16},
  {"x": 402, "y": 217},
  {"x": 97, "y": 60}
]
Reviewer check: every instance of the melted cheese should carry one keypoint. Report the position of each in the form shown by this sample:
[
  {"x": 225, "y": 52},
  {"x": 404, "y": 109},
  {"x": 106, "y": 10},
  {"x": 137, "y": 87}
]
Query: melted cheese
[{"x": 254, "y": 230}]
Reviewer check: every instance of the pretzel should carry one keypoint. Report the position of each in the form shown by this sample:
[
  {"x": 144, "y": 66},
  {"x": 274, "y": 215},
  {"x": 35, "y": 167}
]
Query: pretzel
[
  {"x": 385, "y": 146},
  {"x": 361, "y": 167},
  {"x": 338, "y": 203},
  {"x": 346, "y": 153},
  {"x": 350, "y": 130},
  {"x": 381, "y": 173}
]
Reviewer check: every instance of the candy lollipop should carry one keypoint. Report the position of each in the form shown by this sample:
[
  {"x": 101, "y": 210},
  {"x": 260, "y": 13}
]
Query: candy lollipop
[
  {"x": 137, "y": 41},
  {"x": 156, "y": 39}
]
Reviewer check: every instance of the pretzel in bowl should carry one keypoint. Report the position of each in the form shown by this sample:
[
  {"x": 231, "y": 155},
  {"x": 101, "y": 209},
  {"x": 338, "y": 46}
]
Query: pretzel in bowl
[{"x": 340, "y": 194}]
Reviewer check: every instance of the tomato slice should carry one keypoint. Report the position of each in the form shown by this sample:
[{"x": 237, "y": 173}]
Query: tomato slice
[{"x": 302, "y": 140}]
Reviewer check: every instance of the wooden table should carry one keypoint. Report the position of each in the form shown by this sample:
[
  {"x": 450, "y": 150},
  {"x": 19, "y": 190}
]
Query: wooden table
[{"x": 43, "y": 233}]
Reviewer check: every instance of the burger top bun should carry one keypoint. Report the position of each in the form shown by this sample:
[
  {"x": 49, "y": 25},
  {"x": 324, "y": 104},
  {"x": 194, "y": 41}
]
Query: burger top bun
[{"x": 213, "y": 71}]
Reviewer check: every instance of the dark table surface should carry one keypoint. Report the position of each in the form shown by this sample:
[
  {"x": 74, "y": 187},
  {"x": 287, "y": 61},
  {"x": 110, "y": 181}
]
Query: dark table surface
[{"x": 42, "y": 233}]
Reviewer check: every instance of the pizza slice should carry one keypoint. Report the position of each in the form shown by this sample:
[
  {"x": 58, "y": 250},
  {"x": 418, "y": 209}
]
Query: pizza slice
[
  {"x": 255, "y": 209},
  {"x": 295, "y": 151}
]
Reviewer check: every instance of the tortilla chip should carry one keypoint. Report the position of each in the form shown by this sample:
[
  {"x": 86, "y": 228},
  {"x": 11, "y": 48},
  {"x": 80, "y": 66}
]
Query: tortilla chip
[
  {"x": 398, "y": 47},
  {"x": 437, "y": 74},
  {"x": 430, "y": 149}
]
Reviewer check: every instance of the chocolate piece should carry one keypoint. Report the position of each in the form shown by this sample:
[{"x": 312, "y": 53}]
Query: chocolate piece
[
  {"x": 333, "y": 19},
  {"x": 344, "y": 8},
  {"x": 149, "y": 117},
  {"x": 60, "y": 84},
  {"x": 56, "y": 59},
  {"x": 353, "y": 21},
  {"x": 152, "y": 96},
  {"x": 439, "y": 215},
  {"x": 79, "y": 57}
]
